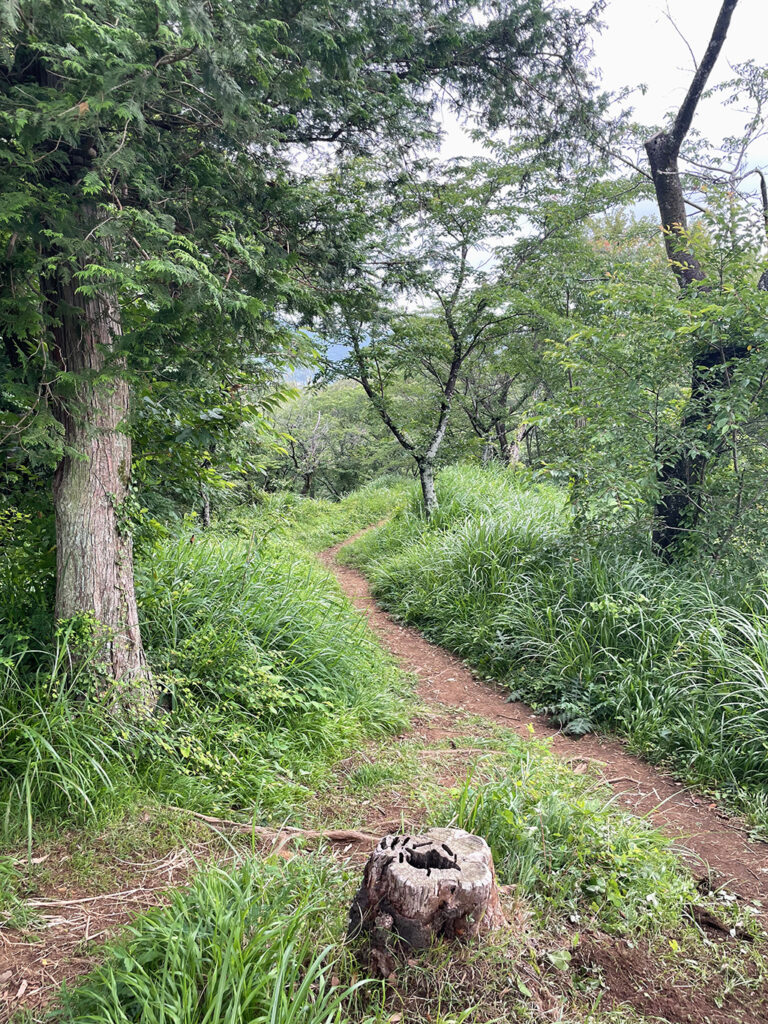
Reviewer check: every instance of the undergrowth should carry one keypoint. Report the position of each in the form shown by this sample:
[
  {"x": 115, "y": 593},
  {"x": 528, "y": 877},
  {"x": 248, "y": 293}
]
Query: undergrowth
[
  {"x": 263, "y": 942},
  {"x": 317, "y": 523},
  {"x": 556, "y": 836},
  {"x": 594, "y": 633},
  {"x": 266, "y": 676},
  {"x": 258, "y": 943}
]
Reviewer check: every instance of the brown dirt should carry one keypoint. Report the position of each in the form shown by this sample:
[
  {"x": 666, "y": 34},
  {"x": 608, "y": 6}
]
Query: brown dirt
[
  {"x": 712, "y": 842},
  {"x": 80, "y": 909},
  {"x": 632, "y": 975},
  {"x": 76, "y": 920}
]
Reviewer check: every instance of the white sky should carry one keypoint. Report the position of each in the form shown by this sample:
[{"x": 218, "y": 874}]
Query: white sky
[{"x": 639, "y": 46}]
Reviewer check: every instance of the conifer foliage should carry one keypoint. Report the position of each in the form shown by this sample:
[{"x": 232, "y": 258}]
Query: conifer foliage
[{"x": 152, "y": 212}]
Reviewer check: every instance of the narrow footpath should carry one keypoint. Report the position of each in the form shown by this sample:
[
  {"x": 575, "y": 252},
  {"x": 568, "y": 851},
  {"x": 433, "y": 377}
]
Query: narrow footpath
[{"x": 710, "y": 840}]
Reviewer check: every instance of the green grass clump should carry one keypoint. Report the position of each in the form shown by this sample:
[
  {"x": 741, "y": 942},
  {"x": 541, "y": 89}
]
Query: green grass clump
[
  {"x": 596, "y": 634},
  {"x": 62, "y": 758},
  {"x": 555, "y": 835},
  {"x": 274, "y": 667},
  {"x": 257, "y": 943},
  {"x": 269, "y": 672},
  {"x": 14, "y": 911}
]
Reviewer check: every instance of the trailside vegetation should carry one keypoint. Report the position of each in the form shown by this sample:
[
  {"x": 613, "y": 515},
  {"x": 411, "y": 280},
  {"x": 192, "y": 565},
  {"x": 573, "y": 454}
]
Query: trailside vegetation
[
  {"x": 590, "y": 631},
  {"x": 268, "y": 675},
  {"x": 154, "y": 225},
  {"x": 249, "y": 311}
]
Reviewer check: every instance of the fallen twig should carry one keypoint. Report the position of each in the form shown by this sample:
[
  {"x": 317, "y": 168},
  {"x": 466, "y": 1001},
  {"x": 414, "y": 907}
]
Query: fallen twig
[
  {"x": 334, "y": 835},
  {"x": 457, "y": 750},
  {"x": 89, "y": 899}
]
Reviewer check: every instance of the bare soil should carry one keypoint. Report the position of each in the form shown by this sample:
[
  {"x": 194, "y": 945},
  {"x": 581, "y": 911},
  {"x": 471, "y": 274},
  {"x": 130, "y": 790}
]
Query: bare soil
[
  {"x": 632, "y": 975},
  {"x": 75, "y": 919}
]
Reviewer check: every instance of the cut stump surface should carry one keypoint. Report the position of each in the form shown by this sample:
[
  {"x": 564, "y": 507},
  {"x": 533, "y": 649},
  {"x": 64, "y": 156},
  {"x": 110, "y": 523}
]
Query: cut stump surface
[{"x": 438, "y": 884}]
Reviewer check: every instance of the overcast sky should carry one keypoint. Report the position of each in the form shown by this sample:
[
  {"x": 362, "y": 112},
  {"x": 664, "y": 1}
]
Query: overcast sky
[{"x": 639, "y": 46}]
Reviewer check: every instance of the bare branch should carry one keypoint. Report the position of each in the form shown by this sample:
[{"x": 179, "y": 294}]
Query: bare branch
[
  {"x": 676, "y": 27},
  {"x": 685, "y": 113}
]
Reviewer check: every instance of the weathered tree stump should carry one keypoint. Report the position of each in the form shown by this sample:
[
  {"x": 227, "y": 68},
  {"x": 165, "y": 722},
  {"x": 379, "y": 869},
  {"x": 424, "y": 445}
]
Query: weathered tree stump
[{"x": 415, "y": 888}]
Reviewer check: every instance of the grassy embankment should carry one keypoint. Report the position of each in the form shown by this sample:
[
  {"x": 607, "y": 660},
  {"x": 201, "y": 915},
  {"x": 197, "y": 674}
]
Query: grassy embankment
[
  {"x": 270, "y": 673},
  {"x": 597, "y": 635}
]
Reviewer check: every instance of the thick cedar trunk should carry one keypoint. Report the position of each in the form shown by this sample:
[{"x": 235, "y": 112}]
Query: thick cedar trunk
[
  {"x": 427, "y": 480},
  {"x": 94, "y": 554}
]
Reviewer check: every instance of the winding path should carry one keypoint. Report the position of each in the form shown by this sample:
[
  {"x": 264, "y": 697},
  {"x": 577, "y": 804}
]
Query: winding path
[{"x": 710, "y": 840}]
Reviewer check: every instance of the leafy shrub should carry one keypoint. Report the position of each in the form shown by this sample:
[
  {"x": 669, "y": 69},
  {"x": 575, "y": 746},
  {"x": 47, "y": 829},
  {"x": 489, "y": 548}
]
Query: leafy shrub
[{"x": 27, "y": 569}]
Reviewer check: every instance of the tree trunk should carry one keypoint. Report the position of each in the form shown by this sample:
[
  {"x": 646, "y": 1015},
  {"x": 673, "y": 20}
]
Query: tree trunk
[
  {"x": 505, "y": 451},
  {"x": 513, "y": 450},
  {"x": 205, "y": 494},
  {"x": 662, "y": 151},
  {"x": 681, "y": 475},
  {"x": 205, "y": 500},
  {"x": 427, "y": 480},
  {"x": 94, "y": 550}
]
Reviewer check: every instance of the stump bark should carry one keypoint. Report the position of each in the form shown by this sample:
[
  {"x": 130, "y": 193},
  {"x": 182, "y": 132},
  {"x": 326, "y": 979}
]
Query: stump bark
[{"x": 415, "y": 888}]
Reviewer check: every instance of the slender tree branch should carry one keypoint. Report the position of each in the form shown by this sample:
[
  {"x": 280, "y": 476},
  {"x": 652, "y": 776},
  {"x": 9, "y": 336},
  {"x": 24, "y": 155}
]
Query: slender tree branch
[{"x": 685, "y": 114}]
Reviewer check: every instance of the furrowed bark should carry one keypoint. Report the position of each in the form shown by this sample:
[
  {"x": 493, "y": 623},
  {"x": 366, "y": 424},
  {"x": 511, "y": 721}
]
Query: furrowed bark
[{"x": 94, "y": 552}]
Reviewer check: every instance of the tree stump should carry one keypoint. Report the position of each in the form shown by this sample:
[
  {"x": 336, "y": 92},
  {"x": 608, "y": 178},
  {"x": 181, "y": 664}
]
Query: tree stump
[{"x": 415, "y": 888}]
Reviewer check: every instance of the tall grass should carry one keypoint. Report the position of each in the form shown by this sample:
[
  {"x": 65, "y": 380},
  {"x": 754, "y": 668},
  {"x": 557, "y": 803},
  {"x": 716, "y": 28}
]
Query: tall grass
[
  {"x": 557, "y": 838},
  {"x": 269, "y": 673},
  {"x": 254, "y": 944},
  {"x": 317, "y": 523},
  {"x": 595, "y": 634}
]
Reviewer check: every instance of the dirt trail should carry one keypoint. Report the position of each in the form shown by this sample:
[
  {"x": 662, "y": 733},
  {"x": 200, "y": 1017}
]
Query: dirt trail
[{"x": 709, "y": 838}]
